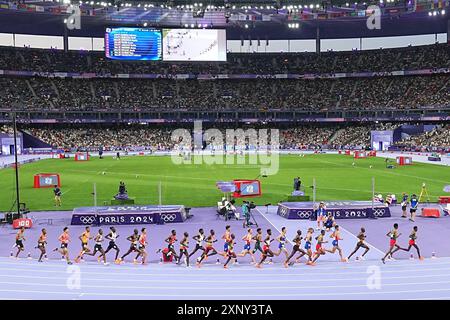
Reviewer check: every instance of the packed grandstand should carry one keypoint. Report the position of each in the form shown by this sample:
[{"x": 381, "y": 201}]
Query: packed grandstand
[{"x": 104, "y": 89}]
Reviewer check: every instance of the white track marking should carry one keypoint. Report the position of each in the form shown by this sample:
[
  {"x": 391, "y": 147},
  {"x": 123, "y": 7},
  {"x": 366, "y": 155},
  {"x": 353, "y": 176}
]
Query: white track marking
[
  {"x": 356, "y": 238},
  {"x": 178, "y": 281}
]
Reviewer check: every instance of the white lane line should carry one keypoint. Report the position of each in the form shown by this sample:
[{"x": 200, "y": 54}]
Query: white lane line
[
  {"x": 356, "y": 238},
  {"x": 327, "y": 265},
  {"x": 315, "y": 280},
  {"x": 237, "y": 273},
  {"x": 343, "y": 229},
  {"x": 219, "y": 288},
  {"x": 279, "y": 231}
]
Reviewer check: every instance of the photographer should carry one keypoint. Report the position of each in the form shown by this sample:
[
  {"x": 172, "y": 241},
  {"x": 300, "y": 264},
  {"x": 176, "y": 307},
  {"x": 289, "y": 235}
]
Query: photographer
[{"x": 247, "y": 212}]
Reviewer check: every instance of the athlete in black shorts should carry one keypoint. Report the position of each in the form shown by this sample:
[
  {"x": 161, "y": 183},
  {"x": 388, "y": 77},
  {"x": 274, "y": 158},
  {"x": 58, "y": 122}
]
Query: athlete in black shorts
[
  {"x": 360, "y": 244},
  {"x": 257, "y": 238},
  {"x": 184, "y": 245},
  {"x": 98, "y": 247},
  {"x": 112, "y": 237},
  {"x": 199, "y": 238},
  {"x": 19, "y": 241},
  {"x": 134, "y": 238},
  {"x": 297, "y": 243},
  {"x": 42, "y": 241}
]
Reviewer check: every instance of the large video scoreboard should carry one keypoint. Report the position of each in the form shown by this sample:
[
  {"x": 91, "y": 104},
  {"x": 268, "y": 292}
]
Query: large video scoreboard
[
  {"x": 167, "y": 44},
  {"x": 133, "y": 44}
]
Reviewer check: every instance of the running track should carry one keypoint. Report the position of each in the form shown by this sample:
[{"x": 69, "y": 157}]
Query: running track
[{"x": 400, "y": 279}]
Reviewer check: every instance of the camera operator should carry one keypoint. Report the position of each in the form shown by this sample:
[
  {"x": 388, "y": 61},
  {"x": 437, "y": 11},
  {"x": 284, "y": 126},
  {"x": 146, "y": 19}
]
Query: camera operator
[{"x": 248, "y": 213}]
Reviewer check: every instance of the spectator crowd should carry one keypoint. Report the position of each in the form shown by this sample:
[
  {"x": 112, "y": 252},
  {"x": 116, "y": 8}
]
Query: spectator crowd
[{"x": 300, "y": 137}]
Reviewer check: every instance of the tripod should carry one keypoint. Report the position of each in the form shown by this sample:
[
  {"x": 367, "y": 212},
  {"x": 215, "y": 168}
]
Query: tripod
[
  {"x": 251, "y": 216},
  {"x": 424, "y": 192}
]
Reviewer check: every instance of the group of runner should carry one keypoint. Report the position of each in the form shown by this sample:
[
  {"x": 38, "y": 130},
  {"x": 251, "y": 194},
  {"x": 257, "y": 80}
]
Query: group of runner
[{"x": 206, "y": 245}]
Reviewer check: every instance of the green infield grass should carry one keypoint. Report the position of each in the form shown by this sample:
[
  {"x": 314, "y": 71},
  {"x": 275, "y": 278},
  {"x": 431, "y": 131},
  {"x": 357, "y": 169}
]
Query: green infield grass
[{"x": 195, "y": 185}]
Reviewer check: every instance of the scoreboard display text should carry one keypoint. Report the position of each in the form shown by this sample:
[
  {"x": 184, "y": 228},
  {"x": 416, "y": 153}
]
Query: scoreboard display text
[{"x": 133, "y": 44}]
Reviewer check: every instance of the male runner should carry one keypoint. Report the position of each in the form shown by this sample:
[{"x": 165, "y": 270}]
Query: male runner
[
  {"x": 297, "y": 243},
  {"x": 308, "y": 243},
  {"x": 134, "y": 239},
  {"x": 248, "y": 238},
  {"x": 337, "y": 236},
  {"x": 199, "y": 238},
  {"x": 209, "y": 241},
  {"x": 142, "y": 245},
  {"x": 84, "y": 238},
  {"x": 282, "y": 243},
  {"x": 171, "y": 244},
  {"x": 319, "y": 247},
  {"x": 258, "y": 239},
  {"x": 393, "y": 246},
  {"x": 230, "y": 252},
  {"x": 360, "y": 244},
  {"x": 184, "y": 245},
  {"x": 412, "y": 242},
  {"x": 226, "y": 237},
  {"x": 42, "y": 241},
  {"x": 266, "y": 248},
  {"x": 98, "y": 247},
  {"x": 64, "y": 238},
  {"x": 20, "y": 238},
  {"x": 112, "y": 237}
]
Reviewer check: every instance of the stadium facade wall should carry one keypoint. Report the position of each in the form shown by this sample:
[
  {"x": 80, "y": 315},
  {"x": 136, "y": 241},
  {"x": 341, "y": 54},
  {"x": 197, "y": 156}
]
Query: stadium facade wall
[{"x": 239, "y": 46}]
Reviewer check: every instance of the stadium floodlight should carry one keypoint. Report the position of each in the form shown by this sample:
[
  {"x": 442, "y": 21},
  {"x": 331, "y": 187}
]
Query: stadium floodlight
[
  {"x": 434, "y": 13},
  {"x": 317, "y": 6},
  {"x": 145, "y": 24},
  {"x": 246, "y": 26},
  {"x": 192, "y": 25},
  {"x": 311, "y": 6},
  {"x": 186, "y": 25},
  {"x": 443, "y": 12}
]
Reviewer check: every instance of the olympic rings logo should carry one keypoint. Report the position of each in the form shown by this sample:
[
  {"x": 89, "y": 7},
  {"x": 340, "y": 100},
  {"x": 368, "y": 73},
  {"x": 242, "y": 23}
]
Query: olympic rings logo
[
  {"x": 304, "y": 214},
  {"x": 87, "y": 219},
  {"x": 379, "y": 212},
  {"x": 168, "y": 217}
]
